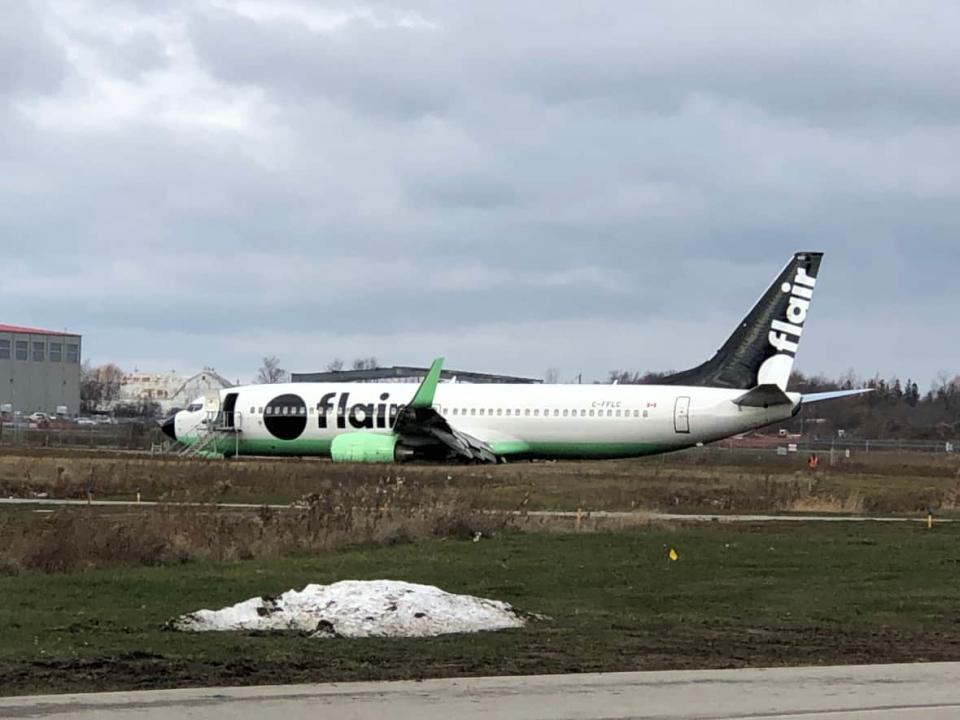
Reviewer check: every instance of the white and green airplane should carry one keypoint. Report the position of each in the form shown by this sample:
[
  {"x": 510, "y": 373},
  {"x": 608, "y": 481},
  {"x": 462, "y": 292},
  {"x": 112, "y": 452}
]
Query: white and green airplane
[{"x": 742, "y": 387}]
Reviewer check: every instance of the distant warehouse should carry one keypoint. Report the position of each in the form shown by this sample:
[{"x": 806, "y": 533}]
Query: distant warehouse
[{"x": 39, "y": 370}]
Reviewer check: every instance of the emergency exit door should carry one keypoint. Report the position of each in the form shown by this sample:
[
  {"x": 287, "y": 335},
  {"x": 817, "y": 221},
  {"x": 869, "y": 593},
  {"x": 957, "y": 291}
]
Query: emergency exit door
[{"x": 681, "y": 415}]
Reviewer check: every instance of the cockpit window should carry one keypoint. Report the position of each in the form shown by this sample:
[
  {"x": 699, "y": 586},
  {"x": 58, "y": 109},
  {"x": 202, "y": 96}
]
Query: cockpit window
[{"x": 193, "y": 407}]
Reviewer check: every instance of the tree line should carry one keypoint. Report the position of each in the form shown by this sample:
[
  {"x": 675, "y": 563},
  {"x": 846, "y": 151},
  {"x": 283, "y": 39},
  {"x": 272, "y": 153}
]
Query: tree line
[{"x": 100, "y": 390}]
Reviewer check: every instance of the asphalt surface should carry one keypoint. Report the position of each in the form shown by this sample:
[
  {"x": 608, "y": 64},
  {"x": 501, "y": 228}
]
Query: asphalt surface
[
  {"x": 611, "y": 514},
  {"x": 867, "y": 692}
]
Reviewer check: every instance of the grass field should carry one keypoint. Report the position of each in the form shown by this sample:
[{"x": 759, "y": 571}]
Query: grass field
[
  {"x": 742, "y": 596},
  {"x": 705, "y": 479}
]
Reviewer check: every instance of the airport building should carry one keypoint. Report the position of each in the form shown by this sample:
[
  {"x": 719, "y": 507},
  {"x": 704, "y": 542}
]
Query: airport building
[
  {"x": 405, "y": 374},
  {"x": 168, "y": 390},
  {"x": 39, "y": 370}
]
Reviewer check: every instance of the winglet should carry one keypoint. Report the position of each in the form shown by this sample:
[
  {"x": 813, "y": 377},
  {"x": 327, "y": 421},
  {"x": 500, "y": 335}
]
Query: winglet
[{"x": 424, "y": 395}]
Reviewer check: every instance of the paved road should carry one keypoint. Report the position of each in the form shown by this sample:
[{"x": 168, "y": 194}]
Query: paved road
[
  {"x": 868, "y": 692},
  {"x": 41, "y": 503}
]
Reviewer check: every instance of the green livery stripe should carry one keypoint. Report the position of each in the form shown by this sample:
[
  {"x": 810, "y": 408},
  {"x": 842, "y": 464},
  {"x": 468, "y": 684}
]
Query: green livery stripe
[
  {"x": 579, "y": 449},
  {"x": 272, "y": 446},
  {"x": 512, "y": 448}
]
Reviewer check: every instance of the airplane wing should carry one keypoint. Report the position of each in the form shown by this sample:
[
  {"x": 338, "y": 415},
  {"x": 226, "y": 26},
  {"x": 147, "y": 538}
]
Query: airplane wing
[
  {"x": 418, "y": 425},
  {"x": 817, "y": 397}
]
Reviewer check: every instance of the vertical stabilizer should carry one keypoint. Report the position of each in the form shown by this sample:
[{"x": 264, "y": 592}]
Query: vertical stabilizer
[{"x": 762, "y": 348}]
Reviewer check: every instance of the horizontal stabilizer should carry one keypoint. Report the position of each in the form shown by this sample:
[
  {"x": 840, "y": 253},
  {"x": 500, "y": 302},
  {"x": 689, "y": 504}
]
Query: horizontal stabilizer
[
  {"x": 766, "y": 395},
  {"x": 817, "y": 397}
]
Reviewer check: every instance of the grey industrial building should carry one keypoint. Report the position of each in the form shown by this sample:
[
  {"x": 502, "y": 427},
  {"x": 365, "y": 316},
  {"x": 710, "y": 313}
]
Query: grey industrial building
[
  {"x": 39, "y": 370},
  {"x": 404, "y": 373}
]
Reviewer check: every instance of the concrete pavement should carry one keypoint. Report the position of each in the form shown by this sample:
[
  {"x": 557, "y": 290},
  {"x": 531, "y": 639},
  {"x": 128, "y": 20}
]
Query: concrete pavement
[{"x": 868, "y": 692}]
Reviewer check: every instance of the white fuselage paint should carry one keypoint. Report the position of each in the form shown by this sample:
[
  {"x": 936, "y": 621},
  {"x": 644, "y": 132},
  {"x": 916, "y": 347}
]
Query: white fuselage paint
[{"x": 530, "y": 420}]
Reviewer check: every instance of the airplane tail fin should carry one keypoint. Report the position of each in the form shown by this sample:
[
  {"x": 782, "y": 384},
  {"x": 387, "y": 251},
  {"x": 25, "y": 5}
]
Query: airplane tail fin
[{"x": 762, "y": 348}]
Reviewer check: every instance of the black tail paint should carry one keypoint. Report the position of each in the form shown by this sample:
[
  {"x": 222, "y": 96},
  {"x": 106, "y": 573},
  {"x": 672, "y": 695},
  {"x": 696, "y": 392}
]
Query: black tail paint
[{"x": 762, "y": 348}]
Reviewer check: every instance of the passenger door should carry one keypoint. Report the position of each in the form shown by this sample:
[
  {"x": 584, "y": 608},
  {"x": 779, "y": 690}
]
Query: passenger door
[
  {"x": 229, "y": 405},
  {"x": 681, "y": 415}
]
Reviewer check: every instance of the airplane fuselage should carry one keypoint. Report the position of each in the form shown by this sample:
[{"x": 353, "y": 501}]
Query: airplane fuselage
[{"x": 531, "y": 421}]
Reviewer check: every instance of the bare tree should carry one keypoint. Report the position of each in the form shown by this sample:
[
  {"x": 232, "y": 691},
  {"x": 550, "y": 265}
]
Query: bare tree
[
  {"x": 551, "y": 376},
  {"x": 270, "y": 371},
  {"x": 99, "y": 386},
  {"x": 335, "y": 365},
  {"x": 367, "y": 363}
]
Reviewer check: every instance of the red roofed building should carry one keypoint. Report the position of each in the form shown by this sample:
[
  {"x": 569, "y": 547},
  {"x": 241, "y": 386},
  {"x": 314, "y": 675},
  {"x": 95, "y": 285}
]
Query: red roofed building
[{"x": 39, "y": 370}]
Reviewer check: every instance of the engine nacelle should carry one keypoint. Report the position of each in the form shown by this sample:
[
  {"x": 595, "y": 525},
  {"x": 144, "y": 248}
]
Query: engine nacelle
[{"x": 362, "y": 447}]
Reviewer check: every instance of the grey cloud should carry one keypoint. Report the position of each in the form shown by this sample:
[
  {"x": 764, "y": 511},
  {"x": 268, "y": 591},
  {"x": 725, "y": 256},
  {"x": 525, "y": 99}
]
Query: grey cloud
[
  {"x": 132, "y": 56},
  {"x": 584, "y": 188},
  {"x": 464, "y": 192},
  {"x": 375, "y": 70},
  {"x": 31, "y": 62}
]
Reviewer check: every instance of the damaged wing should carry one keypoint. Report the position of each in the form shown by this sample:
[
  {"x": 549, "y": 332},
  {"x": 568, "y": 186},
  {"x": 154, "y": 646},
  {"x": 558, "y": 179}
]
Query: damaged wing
[{"x": 418, "y": 425}]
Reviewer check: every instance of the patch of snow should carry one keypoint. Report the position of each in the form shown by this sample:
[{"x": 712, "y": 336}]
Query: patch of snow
[{"x": 355, "y": 608}]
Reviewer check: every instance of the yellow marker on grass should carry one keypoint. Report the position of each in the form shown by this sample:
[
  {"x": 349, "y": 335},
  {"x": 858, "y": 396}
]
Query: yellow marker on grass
[{"x": 673, "y": 554}]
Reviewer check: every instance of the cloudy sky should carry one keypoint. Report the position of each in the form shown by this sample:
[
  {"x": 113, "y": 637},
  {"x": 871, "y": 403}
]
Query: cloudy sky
[{"x": 517, "y": 186}]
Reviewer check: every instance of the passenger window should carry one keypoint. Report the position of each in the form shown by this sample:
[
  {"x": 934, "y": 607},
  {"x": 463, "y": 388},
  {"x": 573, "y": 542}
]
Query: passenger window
[
  {"x": 591, "y": 413},
  {"x": 609, "y": 413},
  {"x": 565, "y": 412},
  {"x": 253, "y": 411},
  {"x": 556, "y": 413},
  {"x": 526, "y": 412},
  {"x": 636, "y": 413},
  {"x": 473, "y": 411},
  {"x": 646, "y": 413},
  {"x": 618, "y": 413},
  {"x": 508, "y": 412},
  {"x": 499, "y": 412}
]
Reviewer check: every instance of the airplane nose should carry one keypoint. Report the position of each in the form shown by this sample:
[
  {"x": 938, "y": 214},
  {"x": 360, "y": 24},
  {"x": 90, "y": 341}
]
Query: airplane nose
[{"x": 169, "y": 427}]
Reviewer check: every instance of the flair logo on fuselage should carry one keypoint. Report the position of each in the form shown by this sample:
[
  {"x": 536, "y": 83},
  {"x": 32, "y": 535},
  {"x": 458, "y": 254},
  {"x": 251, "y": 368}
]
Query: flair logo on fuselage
[
  {"x": 286, "y": 416},
  {"x": 360, "y": 416},
  {"x": 785, "y": 334}
]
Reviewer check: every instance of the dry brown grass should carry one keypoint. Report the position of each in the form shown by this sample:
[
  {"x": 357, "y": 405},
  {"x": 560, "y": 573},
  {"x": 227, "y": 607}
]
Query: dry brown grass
[
  {"x": 696, "y": 481},
  {"x": 384, "y": 513}
]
